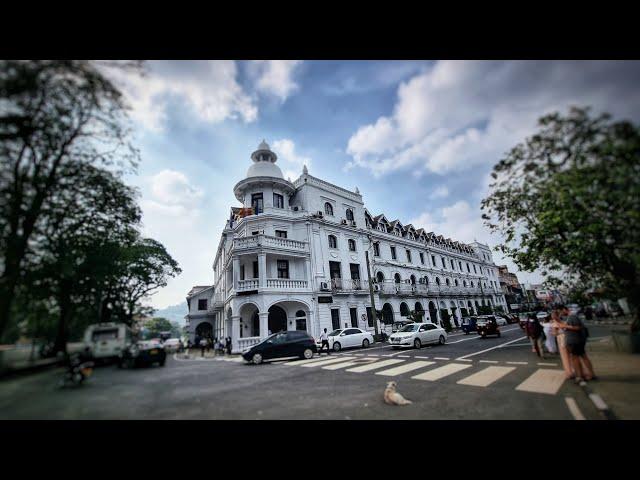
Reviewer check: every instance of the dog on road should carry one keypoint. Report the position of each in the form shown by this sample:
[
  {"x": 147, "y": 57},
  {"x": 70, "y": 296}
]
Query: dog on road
[{"x": 392, "y": 397}]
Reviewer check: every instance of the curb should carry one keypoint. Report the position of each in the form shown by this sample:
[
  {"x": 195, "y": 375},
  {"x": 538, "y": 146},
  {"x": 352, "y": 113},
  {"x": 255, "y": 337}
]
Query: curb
[{"x": 14, "y": 372}]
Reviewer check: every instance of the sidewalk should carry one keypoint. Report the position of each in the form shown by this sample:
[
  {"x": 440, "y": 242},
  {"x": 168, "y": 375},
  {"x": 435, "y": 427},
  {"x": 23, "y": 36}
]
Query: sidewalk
[{"x": 618, "y": 382}]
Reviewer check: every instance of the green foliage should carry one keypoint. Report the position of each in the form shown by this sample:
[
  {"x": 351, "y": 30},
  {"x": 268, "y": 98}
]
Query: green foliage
[{"x": 567, "y": 200}]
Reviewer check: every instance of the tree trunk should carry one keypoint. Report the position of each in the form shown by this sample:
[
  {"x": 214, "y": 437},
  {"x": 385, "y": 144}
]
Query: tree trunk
[{"x": 62, "y": 335}]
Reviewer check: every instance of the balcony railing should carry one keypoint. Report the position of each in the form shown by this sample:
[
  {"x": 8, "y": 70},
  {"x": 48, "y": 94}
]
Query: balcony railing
[
  {"x": 286, "y": 283},
  {"x": 255, "y": 241},
  {"x": 349, "y": 284},
  {"x": 251, "y": 284}
]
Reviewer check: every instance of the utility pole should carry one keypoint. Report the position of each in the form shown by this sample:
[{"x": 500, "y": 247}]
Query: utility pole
[{"x": 373, "y": 305}]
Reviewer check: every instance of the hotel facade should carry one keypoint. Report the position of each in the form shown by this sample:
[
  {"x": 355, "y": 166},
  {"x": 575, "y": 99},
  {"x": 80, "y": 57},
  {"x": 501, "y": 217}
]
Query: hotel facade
[{"x": 294, "y": 257}]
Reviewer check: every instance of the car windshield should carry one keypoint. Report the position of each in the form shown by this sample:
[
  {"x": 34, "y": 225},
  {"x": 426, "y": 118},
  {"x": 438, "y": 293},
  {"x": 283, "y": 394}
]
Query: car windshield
[
  {"x": 410, "y": 328},
  {"x": 335, "y": 333}
]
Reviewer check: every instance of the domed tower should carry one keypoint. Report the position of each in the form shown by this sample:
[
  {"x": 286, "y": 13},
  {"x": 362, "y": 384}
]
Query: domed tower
[{"x": 264, "y": 187}]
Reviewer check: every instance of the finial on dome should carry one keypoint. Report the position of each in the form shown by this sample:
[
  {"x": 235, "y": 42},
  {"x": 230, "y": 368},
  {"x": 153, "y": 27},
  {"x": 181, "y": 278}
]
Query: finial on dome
[
  {"x": 357, "y": 191},
  {"x": 304, "y": 169},
  {"x": 263, "y": 145}
]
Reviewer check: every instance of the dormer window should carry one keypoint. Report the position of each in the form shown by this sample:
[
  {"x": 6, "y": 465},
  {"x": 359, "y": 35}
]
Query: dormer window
[
  {"x": 349, "y": 214},
  {"x": 333, "y": 241},
  {"x": 328, "y": 209},
  {"x": 352, "y": 245}
]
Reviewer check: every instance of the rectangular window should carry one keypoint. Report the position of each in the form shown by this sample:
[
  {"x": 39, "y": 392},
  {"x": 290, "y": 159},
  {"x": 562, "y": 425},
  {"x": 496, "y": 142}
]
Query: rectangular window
[
  {"x": 369, "y": 317},
  {"x": 255, "y": 269},
  {"x": 202, "y": 304},
  {"x": 422, "y": 258},
  {"x": 255, "y": 233},
  {"x": 283, "y": 268},
  {"x": 354, "y": 268},
  {"x": 281, "y": 233},
  {"x": 335, "y": 318},
  {"x": 453, "y": 265},
  {"x": 278, "y": 201},
  {"x": 241, "y": 272},
  {"x": 334, "y": 270},
  {"x": 444, "y": 265},
  {"x": 354, "y": 317},
  {"x": 433, "y": 260},
  {"x": 468, "y": 269},
  {"x": 460, "y": 265},
  {"x": 474, "y": 269},
  {"x": 257, "y": 203},
  {"x": 409, "y": 256},
  {"x": 393, "y": 253},
  {"x": 376, "y": 249}
]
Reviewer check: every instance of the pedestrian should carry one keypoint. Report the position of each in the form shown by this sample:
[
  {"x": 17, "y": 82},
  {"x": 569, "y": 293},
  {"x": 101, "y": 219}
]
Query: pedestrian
[
  {"x": 550, "y": 337},
  {"x": 324, "y": 339},
  {"x": 534, "y": 332},
  {"x": 203, "y": 345},
  {"x": 576, "y": 339},
  {"x": 562, "y": 344},
  {"x": 228, "y": 345}
]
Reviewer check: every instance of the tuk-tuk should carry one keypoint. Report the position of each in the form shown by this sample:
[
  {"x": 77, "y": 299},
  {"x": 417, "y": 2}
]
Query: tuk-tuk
[
  {"x": 468, "y": 324},
  {"x": 487, "y": 325}
]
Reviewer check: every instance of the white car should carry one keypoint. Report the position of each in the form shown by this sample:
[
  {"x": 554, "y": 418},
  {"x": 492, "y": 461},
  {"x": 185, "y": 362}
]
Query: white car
[
  {"x": 418, "y": 334},
  {"x": 501, "y": 321},
  {"x": 349, "y": 337},
  {"x": 172, "y": 344}
]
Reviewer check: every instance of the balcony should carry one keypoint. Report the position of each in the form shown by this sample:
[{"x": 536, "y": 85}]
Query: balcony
[
  {"x": 347, "y": 285},
  {"x": 259, "y": 242},
  {"x": 244, "y": 285},
  {"x": 287, "y": 284}
]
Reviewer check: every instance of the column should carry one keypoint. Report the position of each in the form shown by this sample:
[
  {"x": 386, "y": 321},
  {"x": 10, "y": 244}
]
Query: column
[
  {"x": 264, "y": 324},
  {"x": 236, "y": 272},
  {"x": 262, "y": 270},
  {"x": 235, "y": 333}
]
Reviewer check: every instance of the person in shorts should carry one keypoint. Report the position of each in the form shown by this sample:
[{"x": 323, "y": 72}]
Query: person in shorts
[{"x": 576, "y": 341}]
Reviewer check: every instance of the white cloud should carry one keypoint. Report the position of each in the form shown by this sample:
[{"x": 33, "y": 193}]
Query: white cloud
[
  {"x": 440, "y": 192},
  {"x": 209, "y": 88},
  {"x": 463, "y": 113},
  {"x": 173, "y": 188},
  {"x": 275, "y": 77},
  {"x": 291, "y": 161}
]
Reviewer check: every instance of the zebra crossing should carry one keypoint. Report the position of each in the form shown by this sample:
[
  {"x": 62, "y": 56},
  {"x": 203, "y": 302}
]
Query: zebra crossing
[{"x": 543, "y": 380}]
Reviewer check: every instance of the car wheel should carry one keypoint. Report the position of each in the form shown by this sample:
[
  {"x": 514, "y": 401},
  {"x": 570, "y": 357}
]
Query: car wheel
[
  {"x": 417, "y": 343},
  {"x": 365, "y": 343},
  {"x": 256, "y": 359},
  {"x": 336, "y": 346},
  {"x": 308, "y": 353},
  {"x": 441, "y": 340}
]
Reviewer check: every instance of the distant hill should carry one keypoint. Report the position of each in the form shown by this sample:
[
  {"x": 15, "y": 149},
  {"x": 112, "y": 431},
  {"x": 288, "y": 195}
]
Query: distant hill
[{"x": 174, "y": 313}]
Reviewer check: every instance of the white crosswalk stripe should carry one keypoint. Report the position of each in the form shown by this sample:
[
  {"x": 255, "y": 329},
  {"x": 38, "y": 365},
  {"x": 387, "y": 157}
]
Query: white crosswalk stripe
[
  {"x": 374, "y": 366},
  {"x": 409, "y": 367},
  {"x": 357, "y": 361},
  {"x": 486, "y": 377},
  {"x": 302, "y": 362},
  {"x": 441, "y": 372},
  {"x": 321, "y": 363},
  {"x": 543, "y": 380}
]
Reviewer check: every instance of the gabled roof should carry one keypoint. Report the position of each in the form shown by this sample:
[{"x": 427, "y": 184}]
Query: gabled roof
[{"x": 380, "y": 218}]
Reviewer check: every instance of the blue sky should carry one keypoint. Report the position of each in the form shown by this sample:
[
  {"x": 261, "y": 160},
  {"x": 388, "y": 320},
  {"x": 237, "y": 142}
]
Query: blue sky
[{"x": 418, "y": 139}]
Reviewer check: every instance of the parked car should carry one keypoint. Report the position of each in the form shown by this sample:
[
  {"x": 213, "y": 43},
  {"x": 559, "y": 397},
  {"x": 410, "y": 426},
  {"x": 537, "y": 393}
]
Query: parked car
[
  {"x": 487, "y": 325},
  {"x": 418, "y": 334},
  {"x": 108, "y": 340},
  {"x": 171, "y": 344},
  {"x": 294, "y": 343},
  {"x": 349, "y": 337},
  {"x": 468, "y": 325},
  {"x": 143, "y": 353},
  {"x": 502, "y": 320}
]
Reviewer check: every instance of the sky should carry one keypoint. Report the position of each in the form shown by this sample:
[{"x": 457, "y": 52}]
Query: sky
[{"x": 418, "y": 138}]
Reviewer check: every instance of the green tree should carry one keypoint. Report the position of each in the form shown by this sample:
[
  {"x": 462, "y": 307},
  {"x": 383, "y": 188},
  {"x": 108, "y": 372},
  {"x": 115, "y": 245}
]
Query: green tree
[
  {"x": 54, "y": 114},
  {"x": 568, "y": 200},
  {"x": 157, "y": 325}
]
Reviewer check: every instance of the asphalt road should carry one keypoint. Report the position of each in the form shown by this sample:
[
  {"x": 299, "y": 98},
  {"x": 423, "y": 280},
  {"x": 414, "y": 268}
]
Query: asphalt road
[{"x": 468, "y": 378}]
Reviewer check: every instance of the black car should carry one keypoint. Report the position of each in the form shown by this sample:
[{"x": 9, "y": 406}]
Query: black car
[
  {"x": 143, "y": 354},
  {"x": 281, "y": 345},
  {"x": 487, "y": 325},
  {"x": 468, "y": 324}
]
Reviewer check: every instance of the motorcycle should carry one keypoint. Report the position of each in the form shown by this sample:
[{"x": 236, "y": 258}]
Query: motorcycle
[{"x": 79, "y": 368}]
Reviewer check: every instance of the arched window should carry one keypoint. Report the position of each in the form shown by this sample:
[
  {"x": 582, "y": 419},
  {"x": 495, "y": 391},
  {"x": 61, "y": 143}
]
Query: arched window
[
  {"x": 404, "y": 309},
  {"x": 447, "y": 282},
  {"x": 333, "y": 241},
  {"x": 413, "y": 280},
  {"x": 301, "y": 320},
  {"x": 471, "y": 284},
  {"x": 464, "y": 283},
  {"x": 380, "y": 277},
  {"x": 352, "y": 245},
  {"x": 397, "y": 278},
  {"x": 426, "y": 280},
  {"x": 328, "y": 209},
  {"x": 455, "y": 282},
  {"x": 437, "y": 280},
  {"x": 349, "y": 214}
]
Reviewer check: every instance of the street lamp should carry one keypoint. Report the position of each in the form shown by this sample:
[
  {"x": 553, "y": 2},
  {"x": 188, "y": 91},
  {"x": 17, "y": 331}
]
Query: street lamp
[{"x": 373, "y": 305}]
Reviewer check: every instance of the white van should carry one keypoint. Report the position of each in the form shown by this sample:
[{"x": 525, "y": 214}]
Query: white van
[{"x": 108, "y": 340}]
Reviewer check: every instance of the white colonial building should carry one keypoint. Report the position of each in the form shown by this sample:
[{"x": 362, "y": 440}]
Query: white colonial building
[{"x": 294, "y": 256}]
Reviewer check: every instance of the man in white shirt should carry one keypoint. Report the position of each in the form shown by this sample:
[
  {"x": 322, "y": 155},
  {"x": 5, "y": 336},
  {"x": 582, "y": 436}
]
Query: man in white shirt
[{"x": 324, "y": 338}]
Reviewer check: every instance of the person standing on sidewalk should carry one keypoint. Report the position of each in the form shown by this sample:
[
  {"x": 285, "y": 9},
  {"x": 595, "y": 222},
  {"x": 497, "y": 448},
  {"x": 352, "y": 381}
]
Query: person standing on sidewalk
[
  {"x": 228, "y": 345},
  {"x": 576, "y": 340},
  {"x": 324, "y": 339},
  {"x": 562, "y": 344},
  {"x": 534, "y": 332},
  {"x": 550, "y": 341}
]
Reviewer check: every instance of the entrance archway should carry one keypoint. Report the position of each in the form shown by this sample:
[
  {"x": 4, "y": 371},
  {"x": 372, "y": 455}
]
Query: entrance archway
[
  {"x": 380, "y": 277},
  {"x": 433, "y": 313},
  {"x": 204, "y": 330},
  {"x": 277, "y": 319},
  {"x": 419, "y": 312},
  {"x": 387, "y": 314},
  {"x": 404, "y": 309}
]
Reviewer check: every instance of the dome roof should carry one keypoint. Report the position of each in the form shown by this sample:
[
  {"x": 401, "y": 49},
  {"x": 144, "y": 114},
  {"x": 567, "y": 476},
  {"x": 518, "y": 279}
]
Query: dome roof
[{"x": 264, "y": 169}]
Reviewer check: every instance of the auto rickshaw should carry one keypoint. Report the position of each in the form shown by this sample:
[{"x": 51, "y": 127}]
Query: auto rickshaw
[{"x": 487, "y": 325}]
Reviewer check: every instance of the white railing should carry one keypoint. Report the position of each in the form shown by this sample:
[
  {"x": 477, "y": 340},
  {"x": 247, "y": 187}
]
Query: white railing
[
  {"x": 286, "y": 283},
  {"x": 251, "y": 284},
  {"x": 246, "y": 342},
  {"x": 247, "y": 242},
  {"x": 255, "y": 241},
  {"x": 349, "y": 284}
]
